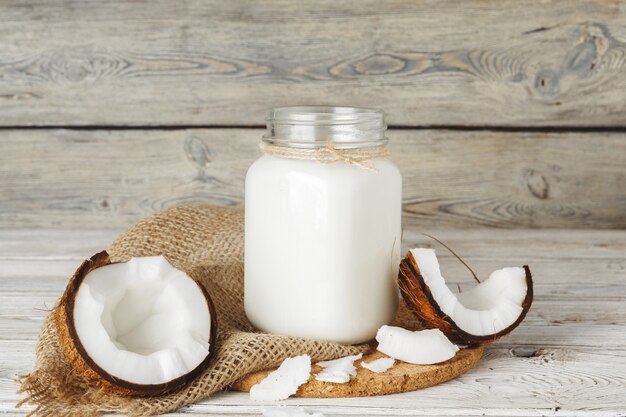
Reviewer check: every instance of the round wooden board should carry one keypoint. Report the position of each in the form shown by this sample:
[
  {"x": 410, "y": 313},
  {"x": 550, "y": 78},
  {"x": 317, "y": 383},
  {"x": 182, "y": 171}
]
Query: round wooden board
[{"x": 402, "y": 377}]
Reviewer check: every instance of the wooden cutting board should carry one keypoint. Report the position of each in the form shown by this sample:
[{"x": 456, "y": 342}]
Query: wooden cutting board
[{"x": 402, "y": 377}]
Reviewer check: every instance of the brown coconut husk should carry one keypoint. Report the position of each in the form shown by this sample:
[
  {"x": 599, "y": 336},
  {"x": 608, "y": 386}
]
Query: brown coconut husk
[
  {"x": 207, "y": 243},
  {"x": 83, "y": 364},
  {"x": 421, "y": 302}
]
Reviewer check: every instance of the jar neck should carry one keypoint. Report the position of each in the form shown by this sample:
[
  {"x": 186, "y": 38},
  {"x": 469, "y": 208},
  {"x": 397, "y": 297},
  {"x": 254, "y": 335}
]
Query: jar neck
[{"x": 314, "y": 127}]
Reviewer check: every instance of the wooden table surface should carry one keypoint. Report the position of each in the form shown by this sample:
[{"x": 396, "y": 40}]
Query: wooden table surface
[{"x": 567, "y": 359}]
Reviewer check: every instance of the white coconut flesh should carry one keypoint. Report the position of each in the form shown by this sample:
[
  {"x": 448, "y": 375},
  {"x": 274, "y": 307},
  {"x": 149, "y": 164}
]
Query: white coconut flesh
[
  {"x": 142, "y": 321},
  {"x": 379, "y": 365},
  {"x": 284, "y": 381},
  {"x": 338, "y": 371},
  {"x": 486, "y": 309},
  {"x": 422, "y": 347}
]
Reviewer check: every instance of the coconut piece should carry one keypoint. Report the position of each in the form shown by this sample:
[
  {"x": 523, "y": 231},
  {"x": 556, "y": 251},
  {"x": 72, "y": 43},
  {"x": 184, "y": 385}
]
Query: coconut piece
[
  {"x": 488, "y": 311},
  {"x": 422, "y": 347},
  {"x": 287, "y": 412},
  {"x": 379, "y": 365},
  {"x": 284, "y": 381},
  {"x": 140, "y": 327},
  {"x": 339, "y": 370}
]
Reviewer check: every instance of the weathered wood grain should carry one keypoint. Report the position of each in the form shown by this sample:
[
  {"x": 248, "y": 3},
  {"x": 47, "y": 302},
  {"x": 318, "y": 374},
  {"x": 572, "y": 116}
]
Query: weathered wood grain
[
  {"x": 109, "y": 179},
  {"x": 191, "y": 62},
  {"x": 561, "y": 315},
  {"x": 501, "y": 384},
  {"x": 555, "y": 323},
  {"x": 520, "y": 245},
  {"x": 566, "y": 360},
  {"x": 555, "y": 382},
  {"x": 55, "y": 245},
  {"x": 577, "y": 283}
]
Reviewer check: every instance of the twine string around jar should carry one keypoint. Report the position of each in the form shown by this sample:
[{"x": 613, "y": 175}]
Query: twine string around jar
[{"x": 360, "y": 157}]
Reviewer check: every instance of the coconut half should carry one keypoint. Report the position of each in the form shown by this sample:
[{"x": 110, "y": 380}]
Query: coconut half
[
  {"x": 488, "y": 311},
  {"x": 140, "y": 327}
]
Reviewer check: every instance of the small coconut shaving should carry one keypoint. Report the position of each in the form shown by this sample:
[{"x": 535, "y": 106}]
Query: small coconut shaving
[
  {"x": 339, "y": 370},
  {"x": 284, "y": 381},
  {"x": 380, "y": 365},
  {"x": 287, "y": 412},
  {"x": 422, "y": 347}
]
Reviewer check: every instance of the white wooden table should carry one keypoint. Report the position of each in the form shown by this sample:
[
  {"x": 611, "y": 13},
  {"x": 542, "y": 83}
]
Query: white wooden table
[{"x": 567, "y": 359}]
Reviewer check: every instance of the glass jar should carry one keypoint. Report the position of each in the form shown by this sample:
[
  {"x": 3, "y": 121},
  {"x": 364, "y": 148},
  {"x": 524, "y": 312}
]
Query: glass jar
[{"x": 323, "y": 225}]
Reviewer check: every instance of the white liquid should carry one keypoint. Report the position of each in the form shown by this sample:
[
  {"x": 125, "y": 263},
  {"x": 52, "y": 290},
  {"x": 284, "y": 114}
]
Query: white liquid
[{"x": 322, "y": 248}]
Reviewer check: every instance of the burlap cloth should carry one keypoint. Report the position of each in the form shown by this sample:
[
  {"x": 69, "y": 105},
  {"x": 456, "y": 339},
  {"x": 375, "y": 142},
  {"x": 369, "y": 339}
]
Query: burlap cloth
[{"x": 207, "y": 243}]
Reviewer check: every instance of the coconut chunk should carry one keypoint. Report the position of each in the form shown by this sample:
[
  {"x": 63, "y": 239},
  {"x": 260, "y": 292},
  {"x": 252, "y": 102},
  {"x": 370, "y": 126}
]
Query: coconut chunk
[
  {"x": 287, "y": 412},
  {"x": 339, "y": 370},
  {"x": 284, "y": 381},
  {"x": 379, "y": 365},
  {"x": 140, "y": 327},
  {"x": 422, "y": 347},
  {"x": 489, "y": 310}
]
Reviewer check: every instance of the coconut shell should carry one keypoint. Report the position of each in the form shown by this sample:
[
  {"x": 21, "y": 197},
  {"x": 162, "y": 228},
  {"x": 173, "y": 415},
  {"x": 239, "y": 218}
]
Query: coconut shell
[
  {"x": 80, "y": 360},
  {"x": 421, "y": 302}
]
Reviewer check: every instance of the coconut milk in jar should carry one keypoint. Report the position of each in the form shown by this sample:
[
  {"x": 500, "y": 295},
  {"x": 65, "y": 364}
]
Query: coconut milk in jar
[{"x": 322, "y": 225}]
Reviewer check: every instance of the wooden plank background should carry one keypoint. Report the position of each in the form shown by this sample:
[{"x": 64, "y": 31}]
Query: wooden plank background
[
  {"x": 110, "y": 178},
  {"x": 504, "y": 113},
  {"x": 196, "y": 62}
]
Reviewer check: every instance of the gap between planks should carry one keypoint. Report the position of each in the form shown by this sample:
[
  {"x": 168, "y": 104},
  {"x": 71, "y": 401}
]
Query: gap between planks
[
  {"x": 576, "y": 381},
  {"x": 529, "y": 244},
  {"x": 536, "y": 180},
  {"x": 214, "y": 62},
  {"x": 603, "y": 371}
]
